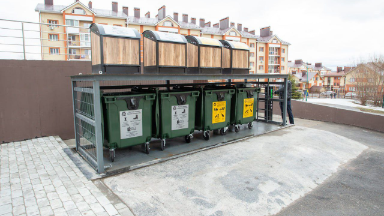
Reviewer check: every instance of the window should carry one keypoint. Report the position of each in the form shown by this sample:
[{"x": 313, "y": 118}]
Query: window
[
  {"x": 261, "y": 58},
  {"x": 117, "y": 25},
  {"x": 78, "y": 11},
  {"x": 72, "y": 22},
  {"x": 252, "y": 45},
  {"x": 252, "y": 64},
  {"x": 352, "y": 88},
  {"x": 54, "y": 51},
  {"x": 261, "y": 67},
  {"x": 53, "y": 37},
  {"x": 338, "y": 78},
  {"x": 274, "y": 41},
  {"x": 283, "y": 59},
  {"x": 352, "y": 80},
  {"x": 252, "y": 54},
  {"x": 232, "y": 33},
  {"x": 72, "y": 51},
  {"x": 283, "y": 50},
  {"x": 53, "y": 23},
  {"x": 261, "y": 49},
  {"x": 87, "y": 52},
  {"x": 87, "y": 25},
  {"x": 251, "y": 72},
  {"x": 282, "y": 67},
  {"x": 168, "y": 23},
  {"x": 293, "y": 72},
  {"x": 85, "y": 39}
]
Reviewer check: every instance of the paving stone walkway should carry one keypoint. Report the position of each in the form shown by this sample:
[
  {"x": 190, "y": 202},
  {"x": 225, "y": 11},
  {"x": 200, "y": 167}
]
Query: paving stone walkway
[{"x": 38, "y": 178}]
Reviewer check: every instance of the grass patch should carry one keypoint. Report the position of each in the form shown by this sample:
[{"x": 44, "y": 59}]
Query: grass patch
[{"x": 371, "y": 110}]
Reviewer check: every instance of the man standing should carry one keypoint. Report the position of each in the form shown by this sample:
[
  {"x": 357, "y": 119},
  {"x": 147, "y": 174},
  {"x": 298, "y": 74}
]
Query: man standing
[{"x": 280, "y": 91}]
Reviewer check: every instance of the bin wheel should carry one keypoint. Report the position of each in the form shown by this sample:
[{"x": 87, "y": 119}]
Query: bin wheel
[
  {"x": 237, "y": 128},
  {"x": 146, "y": 148},
  {"x": 187, "y": 138},
  {"x": 162, "y": 146},
  {"x": 112, "y": 154},
  {"x": 206, "y": 135},
  {"x": 223, "y": 131},
  {"x": 250, "y": 125},
  {"x": 216, "y": 131}
]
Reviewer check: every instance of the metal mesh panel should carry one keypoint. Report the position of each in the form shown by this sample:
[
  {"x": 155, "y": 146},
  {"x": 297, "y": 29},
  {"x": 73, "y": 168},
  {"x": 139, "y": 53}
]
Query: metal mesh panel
[{"x": 84, "y": 121}]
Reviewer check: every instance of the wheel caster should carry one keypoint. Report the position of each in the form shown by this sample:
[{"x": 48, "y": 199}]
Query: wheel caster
[
  {"x": 237, "y": 128},
  {"x": 250, "y": 125},
  {"x": 188, "y": 138},
  {"x": 146, "y": 148},
  {"x": 112, "y": 154},
  {"x": 206, "y": 135},
  {"x": 216, "y": 132},
  {"x": 162, "y": 146},
  {"x": 223, "y": 131}
]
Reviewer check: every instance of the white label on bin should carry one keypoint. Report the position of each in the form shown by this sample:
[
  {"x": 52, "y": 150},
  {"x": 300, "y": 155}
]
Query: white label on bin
[
  {"x": 131, "y": 124},
  {"x": 180, "y": 117}
]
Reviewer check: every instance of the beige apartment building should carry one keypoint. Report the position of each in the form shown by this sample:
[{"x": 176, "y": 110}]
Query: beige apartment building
[{"x": 268, "y": 52}]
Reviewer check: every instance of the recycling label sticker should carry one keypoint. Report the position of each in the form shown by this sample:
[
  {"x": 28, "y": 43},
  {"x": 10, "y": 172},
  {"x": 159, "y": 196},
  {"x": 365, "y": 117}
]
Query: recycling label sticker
[
  {"x": 218, "y": 111},
  {"x": 248, "y": 107},
  {"x": 131, "y": 124},
  {"x": 180, "y": 117}
]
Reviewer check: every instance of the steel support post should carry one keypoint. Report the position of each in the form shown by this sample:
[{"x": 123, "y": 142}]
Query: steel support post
[
  {"x": 285, "y": 101},
  {"x": 74, "y": 99},
  {"x": 98, "y": 129}
]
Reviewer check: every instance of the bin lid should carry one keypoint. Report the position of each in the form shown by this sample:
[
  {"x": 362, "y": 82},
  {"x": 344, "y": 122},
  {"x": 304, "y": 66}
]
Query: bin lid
[
  {"x": 203, "y": 41},
  {"x": 116, "y": 31},
  {"x": 166, "y": 37},
  {"x": 234, "y": 45}
]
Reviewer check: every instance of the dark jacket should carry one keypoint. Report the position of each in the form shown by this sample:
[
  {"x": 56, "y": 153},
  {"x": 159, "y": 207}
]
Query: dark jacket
[{"x": 280, "y": 91}]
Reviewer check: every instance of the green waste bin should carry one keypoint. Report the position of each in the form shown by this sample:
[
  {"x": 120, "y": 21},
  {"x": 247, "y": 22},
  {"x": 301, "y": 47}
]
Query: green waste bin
[
  {"x": 215, "y": 110},
  {"x": 244, "y": 106},
  {"x": 177, "y": 115},
  {"x": 176, "y": 110},
  {"x": 128, "y": 120}
]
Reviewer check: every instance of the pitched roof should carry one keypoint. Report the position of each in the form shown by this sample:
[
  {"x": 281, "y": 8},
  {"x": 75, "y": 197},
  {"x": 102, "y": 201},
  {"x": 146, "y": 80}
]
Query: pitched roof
[
  {"x": 335, "y": 74},
  {"x": 304, "y": 78},
  {"x": 98, "y": 12}
]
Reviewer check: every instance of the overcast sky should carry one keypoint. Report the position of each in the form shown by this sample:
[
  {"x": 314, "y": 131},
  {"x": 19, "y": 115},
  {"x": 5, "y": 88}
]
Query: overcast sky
[{"x": 335, "y": 32}]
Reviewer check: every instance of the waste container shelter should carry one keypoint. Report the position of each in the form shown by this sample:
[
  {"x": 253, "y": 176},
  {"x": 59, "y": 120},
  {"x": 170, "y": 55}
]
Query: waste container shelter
[
  {"x": 204, "y": 55},
  {"x": 115, "y": 50},
  {"x": 235, "y": 57},
  {"x": 164, "y": 53}
]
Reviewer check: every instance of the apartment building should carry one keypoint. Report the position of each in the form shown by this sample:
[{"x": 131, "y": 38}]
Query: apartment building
[
  {"x": 268, "y": 52},
  {"x": 299, "y": 66},
  {"x": 335, "y": 81}
]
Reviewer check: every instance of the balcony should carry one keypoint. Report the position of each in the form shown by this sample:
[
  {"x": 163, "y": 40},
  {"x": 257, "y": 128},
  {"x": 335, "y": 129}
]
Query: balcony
[
  {"x": 274, "y": 53},
  {"x": 71, "y": 30},
  {"x": 79, "y": 57},
  {"x": 273, "y": 62}
]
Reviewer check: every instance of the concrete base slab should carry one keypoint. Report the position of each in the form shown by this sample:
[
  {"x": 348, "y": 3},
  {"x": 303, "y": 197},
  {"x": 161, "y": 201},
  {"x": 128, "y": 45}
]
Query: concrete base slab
[
  {"x": 129, "y": 159},
  {"x": 257, "y": 176}
]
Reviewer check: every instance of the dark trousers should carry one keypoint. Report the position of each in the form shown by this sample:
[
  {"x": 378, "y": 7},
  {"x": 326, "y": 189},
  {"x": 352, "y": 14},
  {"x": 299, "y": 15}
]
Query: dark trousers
[{"x": 289, "y": 110}]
